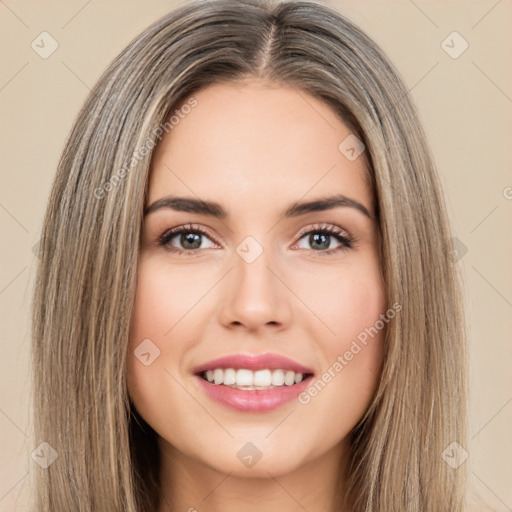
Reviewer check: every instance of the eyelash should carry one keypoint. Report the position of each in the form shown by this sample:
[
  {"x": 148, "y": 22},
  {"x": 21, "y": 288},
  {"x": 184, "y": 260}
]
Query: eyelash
[{"x": 346, "y": 240}]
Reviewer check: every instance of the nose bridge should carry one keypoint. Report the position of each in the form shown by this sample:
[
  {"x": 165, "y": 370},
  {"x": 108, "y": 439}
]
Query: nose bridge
[
  {"x": 252, "y": 264},
  {"x": 255, "y": 296}
]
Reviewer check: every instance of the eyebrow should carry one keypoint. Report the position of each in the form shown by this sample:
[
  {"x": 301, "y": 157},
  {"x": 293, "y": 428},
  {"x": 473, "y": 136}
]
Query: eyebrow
[{"x": 193, "y": 205}]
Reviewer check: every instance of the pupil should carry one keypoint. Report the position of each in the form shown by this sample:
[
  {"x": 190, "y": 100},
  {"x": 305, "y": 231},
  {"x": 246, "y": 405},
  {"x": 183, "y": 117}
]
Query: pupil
[
  {"x": 318, "y": 238},
  {"x": 191, "y": 238}
]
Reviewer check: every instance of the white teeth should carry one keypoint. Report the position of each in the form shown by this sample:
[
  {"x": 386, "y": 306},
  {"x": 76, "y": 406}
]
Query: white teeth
[
  {"x": 289, "y": 378},
  {"x": 229, "y": 376},
  {"x": 263, "y": 378},
  {"x": 247, "y": 379},
  {"x": 218, "y": 376},
  {"x": 277, "y": 378},
  {"x": 244, "y": 377}
]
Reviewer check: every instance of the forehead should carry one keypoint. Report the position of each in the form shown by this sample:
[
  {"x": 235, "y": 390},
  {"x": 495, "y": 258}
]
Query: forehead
[{"x": 256, "y": 141}]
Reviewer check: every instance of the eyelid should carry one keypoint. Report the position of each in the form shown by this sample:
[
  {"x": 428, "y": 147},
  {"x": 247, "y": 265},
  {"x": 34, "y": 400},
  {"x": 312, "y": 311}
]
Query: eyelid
[
  {"x": 346, "y": 240},
  {"x": 172, "y": 232},
  {"x": 324, "y": 225}
]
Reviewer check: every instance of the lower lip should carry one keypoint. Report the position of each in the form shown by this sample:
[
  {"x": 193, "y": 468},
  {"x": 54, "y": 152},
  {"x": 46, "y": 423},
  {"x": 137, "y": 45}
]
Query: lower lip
[{"x": 257, "y": 400}]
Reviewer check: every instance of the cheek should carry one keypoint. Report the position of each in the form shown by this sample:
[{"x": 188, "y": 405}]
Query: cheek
[
  {"x": 150, "y": 303},
  {"x": 348, "y": 300},
  {"x": 159, "y": 313},
  {"x": 164, "y": 297},
  {"x": 352, "y": 305},
  {"x": 360, "y": 330},
  {"x": 159, "y": 306},
  {"x": 356, "y": 306}
]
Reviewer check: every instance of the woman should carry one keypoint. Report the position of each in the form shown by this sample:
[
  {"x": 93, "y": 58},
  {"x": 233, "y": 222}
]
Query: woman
[{"x": 307, "y": 350}]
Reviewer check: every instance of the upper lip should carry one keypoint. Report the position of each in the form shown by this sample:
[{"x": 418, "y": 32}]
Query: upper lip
[{"x": 253, "y": 362}]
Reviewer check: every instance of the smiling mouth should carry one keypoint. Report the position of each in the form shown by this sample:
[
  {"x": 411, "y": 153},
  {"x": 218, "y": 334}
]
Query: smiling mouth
[{"x": 248, "y": 380}]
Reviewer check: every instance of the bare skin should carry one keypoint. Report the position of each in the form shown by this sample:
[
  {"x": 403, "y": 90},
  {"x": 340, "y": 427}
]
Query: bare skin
[{"x": 256, "y": 148}]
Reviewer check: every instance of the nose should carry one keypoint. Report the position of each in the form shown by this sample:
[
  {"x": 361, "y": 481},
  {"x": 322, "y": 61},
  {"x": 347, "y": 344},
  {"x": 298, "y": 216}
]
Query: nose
[{"x": 255, "y": 295}]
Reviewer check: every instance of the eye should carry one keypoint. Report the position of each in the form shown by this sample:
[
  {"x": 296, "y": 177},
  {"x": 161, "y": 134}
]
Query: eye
[
  {"x": 190, "y": 239},
  {"x": 320, "y": 239},
  {"x": 189, "y": 236}
]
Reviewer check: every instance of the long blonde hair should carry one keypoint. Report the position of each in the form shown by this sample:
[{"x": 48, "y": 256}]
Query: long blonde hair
[{"x": 86, "y": 279}]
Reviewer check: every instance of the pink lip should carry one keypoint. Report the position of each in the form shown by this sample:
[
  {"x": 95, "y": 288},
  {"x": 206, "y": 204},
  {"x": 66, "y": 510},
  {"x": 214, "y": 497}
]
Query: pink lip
[
  {"x": 250, "y": 362},
  {"x": 255, "y": 400}
]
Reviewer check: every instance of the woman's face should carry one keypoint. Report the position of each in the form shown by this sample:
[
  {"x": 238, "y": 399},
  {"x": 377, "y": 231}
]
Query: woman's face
[{"x": 256, "y": 275}]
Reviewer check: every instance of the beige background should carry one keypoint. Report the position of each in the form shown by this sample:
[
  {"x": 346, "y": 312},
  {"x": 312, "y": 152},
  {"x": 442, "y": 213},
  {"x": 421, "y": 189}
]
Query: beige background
[{"x": 466, "y": 105}]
